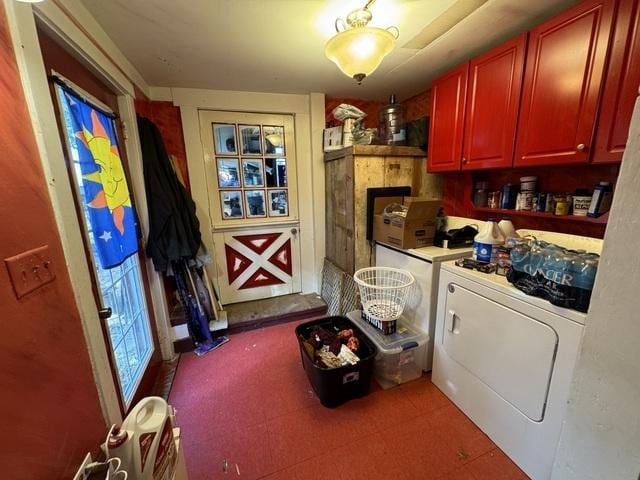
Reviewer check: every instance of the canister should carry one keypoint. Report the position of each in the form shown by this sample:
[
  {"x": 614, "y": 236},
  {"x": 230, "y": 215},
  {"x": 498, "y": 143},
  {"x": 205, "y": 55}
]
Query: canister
[
  {"x": 493, "y": 200},
  {"x": 581, "y": 205},
  {"x": 509, "y": 192},
  {"x": 528, "y": 184},
  {"x": 562, "y": 206}
]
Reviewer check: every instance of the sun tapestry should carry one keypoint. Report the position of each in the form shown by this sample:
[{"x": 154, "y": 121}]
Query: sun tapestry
[{"x": 105, "y": 190}]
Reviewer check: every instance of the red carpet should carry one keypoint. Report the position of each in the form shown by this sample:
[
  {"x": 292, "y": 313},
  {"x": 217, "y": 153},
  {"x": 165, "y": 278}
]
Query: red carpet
[{"x": 249, "y": 402}]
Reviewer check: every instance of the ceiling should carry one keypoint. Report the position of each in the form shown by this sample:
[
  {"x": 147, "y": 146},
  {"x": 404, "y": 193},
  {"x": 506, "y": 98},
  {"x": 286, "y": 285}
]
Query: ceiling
[{"x": 278, "y": 45}]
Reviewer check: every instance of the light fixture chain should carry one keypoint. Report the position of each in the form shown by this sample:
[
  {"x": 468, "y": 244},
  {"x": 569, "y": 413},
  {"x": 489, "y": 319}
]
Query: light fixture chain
[{"x": 369, "y": 3}]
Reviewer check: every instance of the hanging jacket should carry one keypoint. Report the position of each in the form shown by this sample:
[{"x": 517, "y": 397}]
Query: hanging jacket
[{"x": 174, "y": 229}]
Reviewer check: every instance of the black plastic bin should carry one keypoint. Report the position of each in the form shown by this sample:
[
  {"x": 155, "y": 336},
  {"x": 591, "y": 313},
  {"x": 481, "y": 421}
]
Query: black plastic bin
[{"x": 334, "y": 386}]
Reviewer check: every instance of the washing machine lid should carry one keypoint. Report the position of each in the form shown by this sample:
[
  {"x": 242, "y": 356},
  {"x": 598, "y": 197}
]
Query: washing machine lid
[{"x": 510, "y": 352}]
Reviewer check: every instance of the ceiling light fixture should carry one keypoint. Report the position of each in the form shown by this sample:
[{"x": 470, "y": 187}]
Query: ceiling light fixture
[{"x": 358, "y": 50}]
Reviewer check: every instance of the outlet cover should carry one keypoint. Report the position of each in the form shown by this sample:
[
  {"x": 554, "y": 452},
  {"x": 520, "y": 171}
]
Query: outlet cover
[{"x": 30, "y": 270}]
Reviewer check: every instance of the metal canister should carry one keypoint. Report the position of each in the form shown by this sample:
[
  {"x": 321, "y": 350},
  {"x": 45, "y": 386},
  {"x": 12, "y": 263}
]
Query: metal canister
[{"x": 391, "y": 126}]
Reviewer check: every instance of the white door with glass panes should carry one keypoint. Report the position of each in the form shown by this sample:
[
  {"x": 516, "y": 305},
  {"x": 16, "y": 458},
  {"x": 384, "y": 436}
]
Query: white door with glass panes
[{"x": 250, "y": 165}]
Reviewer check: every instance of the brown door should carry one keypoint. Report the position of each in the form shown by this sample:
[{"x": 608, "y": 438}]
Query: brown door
[{"x": 121, "y": 292}]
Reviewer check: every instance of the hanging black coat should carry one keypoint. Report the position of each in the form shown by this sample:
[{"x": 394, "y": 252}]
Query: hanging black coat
[{"x": 174, "y": 229}]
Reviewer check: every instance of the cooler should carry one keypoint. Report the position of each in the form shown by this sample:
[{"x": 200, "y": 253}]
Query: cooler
[{"x": 400, "y": 356}]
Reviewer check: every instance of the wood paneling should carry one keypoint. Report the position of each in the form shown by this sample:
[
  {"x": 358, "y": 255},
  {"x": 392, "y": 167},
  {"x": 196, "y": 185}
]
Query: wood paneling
[
  {"x": 348, "y": 174},
  {"x": 53, "y": 414},
  {"x": 167, "y": 118}
]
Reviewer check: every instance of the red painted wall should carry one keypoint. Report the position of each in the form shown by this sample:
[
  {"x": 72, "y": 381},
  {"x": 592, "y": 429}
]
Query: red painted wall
[
  {"x": 167, "y": 118},
  {"x": 458, "y": 193},
  {"x": 417, "y": 106},
  {"x": 49, "y": 399},
  {"x": 370, "y": 107},
  {"x": 458, "y": 187}
]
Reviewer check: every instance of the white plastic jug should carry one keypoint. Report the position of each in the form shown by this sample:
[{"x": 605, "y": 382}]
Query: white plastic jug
[
  {"x": 145, "y": 442},
  {"x": 485, "y": 243}
]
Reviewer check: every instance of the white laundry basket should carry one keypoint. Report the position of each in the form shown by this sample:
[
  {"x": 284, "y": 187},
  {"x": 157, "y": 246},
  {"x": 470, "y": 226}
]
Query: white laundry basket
[{"x": 383, "y": 293}]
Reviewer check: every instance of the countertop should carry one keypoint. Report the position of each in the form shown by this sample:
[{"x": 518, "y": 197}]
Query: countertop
[
  {"x": 432, "y": 253},
  {"x": 502, "y": 285}
]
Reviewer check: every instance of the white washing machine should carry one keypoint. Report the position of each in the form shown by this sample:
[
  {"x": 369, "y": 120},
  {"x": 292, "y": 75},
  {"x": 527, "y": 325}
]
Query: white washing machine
[{"x": 506, "y": 360}]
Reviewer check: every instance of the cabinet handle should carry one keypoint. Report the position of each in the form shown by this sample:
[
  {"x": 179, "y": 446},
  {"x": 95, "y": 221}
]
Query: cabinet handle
[
  {"x": 580, "y": 147},
  {"x": 464, "y": 160}
]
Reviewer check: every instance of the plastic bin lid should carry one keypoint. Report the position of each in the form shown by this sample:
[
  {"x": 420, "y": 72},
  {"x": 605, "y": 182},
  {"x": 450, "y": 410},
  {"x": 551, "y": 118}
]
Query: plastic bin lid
[{"x": 406, "y": 336}]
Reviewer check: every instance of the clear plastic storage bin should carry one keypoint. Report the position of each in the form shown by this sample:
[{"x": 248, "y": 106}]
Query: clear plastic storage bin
[{"x": 400, "y": 356}]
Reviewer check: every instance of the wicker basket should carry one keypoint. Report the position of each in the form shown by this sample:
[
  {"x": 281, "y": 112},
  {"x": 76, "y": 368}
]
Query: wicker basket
[{"x": 383, "y": 292}]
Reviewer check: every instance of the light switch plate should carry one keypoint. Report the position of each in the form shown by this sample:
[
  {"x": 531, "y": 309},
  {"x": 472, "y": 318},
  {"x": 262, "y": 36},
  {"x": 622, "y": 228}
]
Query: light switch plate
[{"x": 30, "y": 270}]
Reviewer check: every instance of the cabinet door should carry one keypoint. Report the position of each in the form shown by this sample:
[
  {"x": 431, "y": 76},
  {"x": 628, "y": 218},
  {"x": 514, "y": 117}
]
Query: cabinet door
[
  {"x": 448, "y": 98},
  {"x": 493, "y": 98},
  {"x": 621, "y": 85},
  {"x": 562, "y": 84}
]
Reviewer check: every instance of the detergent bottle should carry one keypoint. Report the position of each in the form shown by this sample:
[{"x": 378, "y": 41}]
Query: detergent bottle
[
  {"x": 485, "y": 243},
  {"x": 144, "y": 443}
]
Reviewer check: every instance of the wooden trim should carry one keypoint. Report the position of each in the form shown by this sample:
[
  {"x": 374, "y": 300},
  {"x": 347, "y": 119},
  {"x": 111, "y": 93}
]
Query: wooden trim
[
  {"x": 87, "y": 34},
  {"x": 184, "y": 345},
  {"x": 379, "y": 150}
]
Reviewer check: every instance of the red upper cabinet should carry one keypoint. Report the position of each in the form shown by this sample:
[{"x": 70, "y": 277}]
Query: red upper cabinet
[
  {"x": 448, "y": 97},
  {"x": 621, "y": 85},
  {"x": 562, "y": 85},
  {"x": 493, "y": 100}
]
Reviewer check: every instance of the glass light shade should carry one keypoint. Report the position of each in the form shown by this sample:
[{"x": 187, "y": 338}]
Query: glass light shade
[
  {"x": 359, "y": 51},
  {"x": 275, "y": 139}
]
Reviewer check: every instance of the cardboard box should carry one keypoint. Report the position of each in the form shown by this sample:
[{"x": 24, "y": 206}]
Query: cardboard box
[{"x": 416, "y": 230}]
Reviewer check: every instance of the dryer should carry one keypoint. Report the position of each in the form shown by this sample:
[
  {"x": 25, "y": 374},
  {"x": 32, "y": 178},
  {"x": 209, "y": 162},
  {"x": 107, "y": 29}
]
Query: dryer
[{"x": 506, "y": 360}]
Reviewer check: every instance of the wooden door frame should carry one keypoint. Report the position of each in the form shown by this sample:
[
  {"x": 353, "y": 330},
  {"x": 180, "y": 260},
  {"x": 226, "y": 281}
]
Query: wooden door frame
[
  {"x": 308, "y": 112},
  {"x": 59, "y": 22}
]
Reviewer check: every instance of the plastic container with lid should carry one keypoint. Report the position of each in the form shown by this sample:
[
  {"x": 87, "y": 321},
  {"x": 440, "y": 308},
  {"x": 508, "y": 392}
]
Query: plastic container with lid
[
  {"x": 528, "y": 184},
  {"x": 334, "y": 386},
  {"x": 401, "y": 355}
]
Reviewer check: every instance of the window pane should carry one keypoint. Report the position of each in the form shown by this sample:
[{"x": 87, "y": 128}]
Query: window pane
[
  {"x": 273, "y": 140},
  {"x": 231, "y": 204},
  {"x": 252, "y": 172},
  {"x": 228, "y": 172},
  {"x": 276, "y": 172},
  {"x": 278, "y": 203},
  {"x": 250, "y": 137},
  {"x": 255, "y": 203},
  {"x": 225, "y": 139}
]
